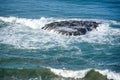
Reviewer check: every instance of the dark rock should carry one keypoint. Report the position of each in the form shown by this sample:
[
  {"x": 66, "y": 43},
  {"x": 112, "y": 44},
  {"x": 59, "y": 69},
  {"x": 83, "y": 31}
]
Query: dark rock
[
  {"x": 94, "y": 75},
  {"x": 71, "y": 27}
]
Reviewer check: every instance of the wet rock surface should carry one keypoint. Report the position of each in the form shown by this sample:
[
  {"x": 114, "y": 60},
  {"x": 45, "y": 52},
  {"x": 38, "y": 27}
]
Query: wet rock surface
[{"x": 71, "y": 27}]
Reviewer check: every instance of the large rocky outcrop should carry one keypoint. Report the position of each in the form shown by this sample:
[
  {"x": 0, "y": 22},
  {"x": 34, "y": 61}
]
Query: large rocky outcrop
[{"x": 71, "y": 27}]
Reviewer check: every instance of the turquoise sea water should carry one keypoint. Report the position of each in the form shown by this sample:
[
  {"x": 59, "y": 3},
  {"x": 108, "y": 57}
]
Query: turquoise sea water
[{"x": 23, "y": 45}]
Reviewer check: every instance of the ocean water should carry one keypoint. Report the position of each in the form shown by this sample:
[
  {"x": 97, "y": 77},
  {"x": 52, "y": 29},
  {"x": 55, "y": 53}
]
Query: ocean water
[{"x": 44, "y": 55}]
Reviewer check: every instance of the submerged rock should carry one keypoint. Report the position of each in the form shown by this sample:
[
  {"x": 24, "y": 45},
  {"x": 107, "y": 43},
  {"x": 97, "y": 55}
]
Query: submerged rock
[
  {"x": 44, "y": 74},
  {"x": 26, "y": 74},
  {"x": 93, "y": 75},
  {"x": 71, "y": 27}
]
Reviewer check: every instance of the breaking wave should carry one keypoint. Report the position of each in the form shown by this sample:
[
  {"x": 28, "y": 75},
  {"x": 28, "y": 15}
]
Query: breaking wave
[
  {"x": 58, "y": 74},
  {"x": 27, "y": 33},
  {"x": 82, "y": 73}
]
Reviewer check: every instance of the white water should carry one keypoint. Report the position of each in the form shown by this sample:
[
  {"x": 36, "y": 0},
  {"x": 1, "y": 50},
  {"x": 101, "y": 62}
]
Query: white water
[
  {"x": 109, "y": 74},
  {"x": 82, "y": 73},
  {"x": 70, "y": 73},
  {"x": 27, "y": 33}
]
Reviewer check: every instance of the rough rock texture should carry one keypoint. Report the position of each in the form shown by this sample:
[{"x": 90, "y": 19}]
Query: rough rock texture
[{"x": 71, "y": 27}]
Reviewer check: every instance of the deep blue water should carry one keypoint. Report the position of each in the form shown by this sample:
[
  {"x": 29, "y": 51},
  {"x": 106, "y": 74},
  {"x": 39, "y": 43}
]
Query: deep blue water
[
  {"x": 24, "y": 45},
  {"x": 100, "y": 9}
]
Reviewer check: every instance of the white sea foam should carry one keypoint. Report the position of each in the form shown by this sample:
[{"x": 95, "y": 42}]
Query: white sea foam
[
  {"x": 70, "y": 73},
  {"x": 110, "y": 74},
  {"x": 27, "y": 33},
  {"x": 82, "y": 73},
  {"x": 32, "y": 23}
]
